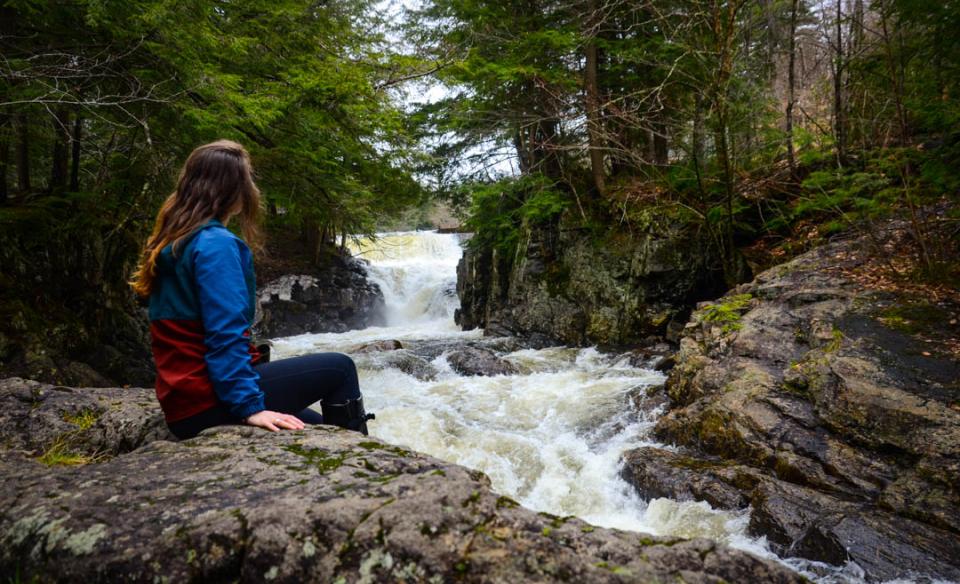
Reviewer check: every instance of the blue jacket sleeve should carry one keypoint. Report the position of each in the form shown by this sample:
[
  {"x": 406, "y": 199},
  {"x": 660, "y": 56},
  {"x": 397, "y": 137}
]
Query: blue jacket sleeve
[{"x": 222, "y": 292}]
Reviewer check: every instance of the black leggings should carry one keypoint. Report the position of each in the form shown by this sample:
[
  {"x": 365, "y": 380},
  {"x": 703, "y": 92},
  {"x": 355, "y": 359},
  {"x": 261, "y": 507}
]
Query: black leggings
[{"x": 289, "y": 386}]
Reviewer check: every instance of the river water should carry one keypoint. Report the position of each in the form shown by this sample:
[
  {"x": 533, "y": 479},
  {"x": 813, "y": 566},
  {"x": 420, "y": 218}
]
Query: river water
[{"x": 550, "y": 437}]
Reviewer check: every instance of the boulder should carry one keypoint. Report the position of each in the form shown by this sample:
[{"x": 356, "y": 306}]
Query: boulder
[
  {"x": 337, "y": 298},
  {"x": 376, "y": 347},
  {"x": 402, "y": 359},
  {"x": 479, "y": 361},
  {"x": 318, "y": 505}
]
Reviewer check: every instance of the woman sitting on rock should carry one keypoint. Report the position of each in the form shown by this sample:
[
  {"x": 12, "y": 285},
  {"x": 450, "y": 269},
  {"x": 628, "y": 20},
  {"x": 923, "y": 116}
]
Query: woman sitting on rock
[{"x": 199, "y": 279}]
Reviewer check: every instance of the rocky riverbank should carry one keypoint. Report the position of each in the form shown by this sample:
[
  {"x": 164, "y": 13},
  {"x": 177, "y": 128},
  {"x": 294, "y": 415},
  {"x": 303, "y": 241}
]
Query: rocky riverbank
[
  {"x": 122, "y": 501},
  {"x": 566, "y": 286},
  {"x": 830, "y": 405}
]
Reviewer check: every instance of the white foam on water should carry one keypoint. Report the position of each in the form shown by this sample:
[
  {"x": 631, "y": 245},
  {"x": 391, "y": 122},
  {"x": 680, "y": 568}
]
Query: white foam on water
[{"x": 551, "y": 436}]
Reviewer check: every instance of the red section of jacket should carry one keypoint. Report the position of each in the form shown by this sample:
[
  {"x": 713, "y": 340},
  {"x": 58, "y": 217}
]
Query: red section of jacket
[{"x": 183, "y": 383}]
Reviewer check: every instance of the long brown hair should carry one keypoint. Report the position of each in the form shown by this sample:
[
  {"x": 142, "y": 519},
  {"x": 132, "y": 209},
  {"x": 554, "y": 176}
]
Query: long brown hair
[{"x": 215, "y": 181}]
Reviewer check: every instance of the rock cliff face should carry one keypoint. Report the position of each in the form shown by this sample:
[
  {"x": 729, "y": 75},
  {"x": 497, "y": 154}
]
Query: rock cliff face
[
  {"x": 336, "y": 298},
  {"x": 320, "y": 505},
  {"x": 563, "y": 285},
  {"x": 807, "y": 395}
]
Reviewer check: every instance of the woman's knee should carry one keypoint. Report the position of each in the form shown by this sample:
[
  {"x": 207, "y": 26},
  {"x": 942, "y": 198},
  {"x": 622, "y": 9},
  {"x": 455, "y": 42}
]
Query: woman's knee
[{"x": 343, "y": 362}]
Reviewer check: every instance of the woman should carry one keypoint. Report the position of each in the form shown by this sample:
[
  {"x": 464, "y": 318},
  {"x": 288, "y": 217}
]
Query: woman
[{"x": 200, "y": 282}]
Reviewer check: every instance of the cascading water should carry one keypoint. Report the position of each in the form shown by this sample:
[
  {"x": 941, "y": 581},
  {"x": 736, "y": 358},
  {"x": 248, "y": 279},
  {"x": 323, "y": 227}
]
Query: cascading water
[{"x": 550, "y": 436}]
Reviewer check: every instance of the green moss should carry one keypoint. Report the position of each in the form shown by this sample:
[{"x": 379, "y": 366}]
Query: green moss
[
  {"x": 727, "y": 311},
  {"x": 506, "y": 502},
  {"x": 473, "y": 498},
  {"x": 913, "y": 317},
  {"x": 587, "y": 529},
  {"x": 546, "y": 531},
  {"x": 836, "y": 340},
  {"x": 438, "y": 472},
  {"x": 60, "y": 453},
  {"x": 387, "y": 447},
  {"x": 316, "y": 457},
  {"x": 384, "y": 479},
  {"x": 612, "y": 568},
  {"x": 83, "y": 419},
  {"x": 695, "y": 463}
]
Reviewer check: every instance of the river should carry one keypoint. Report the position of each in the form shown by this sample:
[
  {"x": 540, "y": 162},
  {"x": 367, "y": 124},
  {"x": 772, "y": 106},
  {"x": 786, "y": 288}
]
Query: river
[{"x": 550, "y": 436}]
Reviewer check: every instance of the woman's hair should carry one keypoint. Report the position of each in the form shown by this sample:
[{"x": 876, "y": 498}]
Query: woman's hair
[{"x": 215, "y": 182}]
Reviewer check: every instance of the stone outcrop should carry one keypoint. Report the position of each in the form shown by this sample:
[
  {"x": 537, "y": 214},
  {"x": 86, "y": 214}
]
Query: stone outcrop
[
  {"x": 806, "y": 395},
  {"x": 337, "y": 298},
  {"x": 319, "y": 505},
  {"x": 572, "y": 289}
]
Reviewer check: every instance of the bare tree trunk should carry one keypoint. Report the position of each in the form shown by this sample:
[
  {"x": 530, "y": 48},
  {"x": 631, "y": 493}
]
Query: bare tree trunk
[
  {"x": 4, "y": 156},
  {"x": 838, "y": 118},
  {"x": 75, "y": 152},
  {"x": 791, "y": 88},
  {"x": 697, "y": 146},
  {"x": 594, "y": 129},
  {"x": 23, "y": 154},
  {"x": 896, "y": 76},
  {"x": 661, "y": 148}
]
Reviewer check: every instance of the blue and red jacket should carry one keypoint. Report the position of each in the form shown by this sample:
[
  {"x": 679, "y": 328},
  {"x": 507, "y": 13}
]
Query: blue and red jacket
[{"x": 201, "y": 309}]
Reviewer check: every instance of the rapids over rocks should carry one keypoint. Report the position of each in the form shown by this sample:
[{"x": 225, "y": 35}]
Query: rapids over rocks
[{"x": 550, "y": 429}]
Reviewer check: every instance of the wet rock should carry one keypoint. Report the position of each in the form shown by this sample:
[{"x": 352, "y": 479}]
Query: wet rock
[
  {"x": 655, "y": 472},
  {"x": 404, "y": 360},
  {"x": 563, "y": 285},
  {"x": 806, "y": 523},
  {"x": 800, "y": 377},
  {"x": 239, "y": 503},
  {"x": 376, "y": 346},
  {"x": 337, "y": 298},
  {"x": 479, "y": 361}
]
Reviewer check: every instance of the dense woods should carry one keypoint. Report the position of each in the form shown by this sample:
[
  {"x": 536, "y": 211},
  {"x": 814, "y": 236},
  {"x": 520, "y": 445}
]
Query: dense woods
[
  {"x": 748, "y": 118},
  {"x": 767, "y": 125},
  {"x": 103, "y": 100}
]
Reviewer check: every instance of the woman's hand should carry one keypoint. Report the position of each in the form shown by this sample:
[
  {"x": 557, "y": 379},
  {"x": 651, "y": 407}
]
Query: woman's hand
[{"x": 275, "y": 421}]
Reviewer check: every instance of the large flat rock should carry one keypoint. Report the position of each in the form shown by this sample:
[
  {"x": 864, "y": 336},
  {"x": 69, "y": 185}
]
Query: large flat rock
[{"x": 319, "y": 505}]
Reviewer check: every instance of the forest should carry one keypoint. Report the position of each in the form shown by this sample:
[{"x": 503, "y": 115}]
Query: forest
[
  {"x": 768, "y": 124},
  {"x": 748, "y": 117}
]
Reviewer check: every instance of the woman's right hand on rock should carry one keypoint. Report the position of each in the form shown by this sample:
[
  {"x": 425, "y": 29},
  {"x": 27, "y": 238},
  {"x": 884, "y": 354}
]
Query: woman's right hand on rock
[{"x": 275, "y": 421}]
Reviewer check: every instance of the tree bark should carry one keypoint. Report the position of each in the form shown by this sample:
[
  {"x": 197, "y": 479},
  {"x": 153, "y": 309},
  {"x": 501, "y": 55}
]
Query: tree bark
[
  {"x": 23, "y": 154},
  {"x": 59, "y": 161},
  {"x": 75, "y": 152},
  {"x": 791, "y": 88},
  {"x": 661, "y": 149},
  {"x": 4, "y": 156},
  {"x": 839, "y": 124},
  {"x": 592, "y": 91}
]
